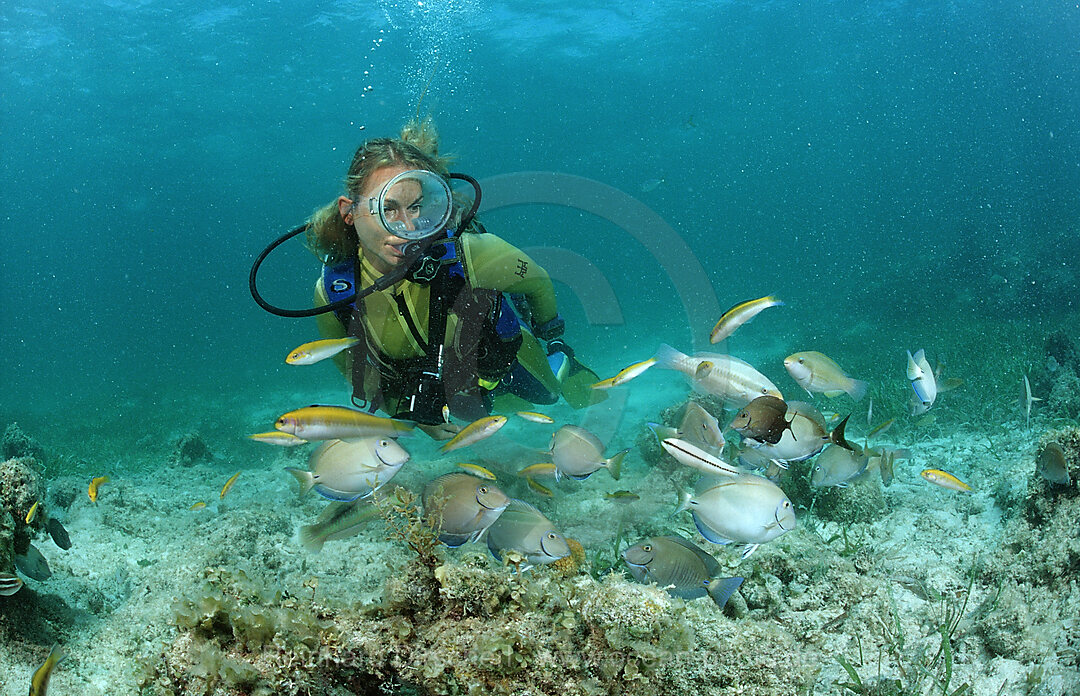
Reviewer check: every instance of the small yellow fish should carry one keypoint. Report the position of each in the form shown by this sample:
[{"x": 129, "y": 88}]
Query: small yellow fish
[
  {"x": 625, "y": 375},
  {"x": 945, "y": 480},
  {"x": 339, "y": 423},
  {"x": 32, "y": 512},
  {"x": 39, "y": 683},
  {"x": 477, "y": 470},
  {"x": 740, "y": 314},
  {"x": 316, "y": 351},
  {"x": 276, "y": 437},
  {"x": 446, "y": 413},
  {"x": 94, "y": 484},
  {"x": 541, "y": 469},
  {"x": 622, "y": 497},
  {"x": 229, "y": 484},
  {"x": 542, "y": 490},
  {"x": 198, "y": 506},
  {"x": 474, "y": 432},
  {"x": 534, "y": 417},
  {"x": 881, "y": 428},
  {"x": 703, "y": 369}
]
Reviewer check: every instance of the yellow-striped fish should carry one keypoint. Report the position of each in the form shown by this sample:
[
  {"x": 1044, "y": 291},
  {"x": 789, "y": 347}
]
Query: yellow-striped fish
[
  {"x": 625, "y": 375},
  {"x": 198, "y": 506},
  {"x": 740, "y": 314},
  {"x": 339, "y": 423},
  {"x": 541, "y": 489},
  {"x": 39, "y": 683},
  {"x": 477, "y": 470},
  {"x": 945, "y": 480},
  {"x": 541, "y": 469},
  {"x": 95, "y": 483},
  {"x": 276, "y": 437},
  {"x": 229, "y": 484},
  {"x": 317, "y": 351},
  {"x": 535, "y": 417},
  {"x": 32, "y": 512},
  {"x": 474, "y": 432}
]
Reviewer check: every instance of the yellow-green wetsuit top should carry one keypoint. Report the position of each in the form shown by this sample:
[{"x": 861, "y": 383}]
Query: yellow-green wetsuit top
[{"x": 489, "y": 262}]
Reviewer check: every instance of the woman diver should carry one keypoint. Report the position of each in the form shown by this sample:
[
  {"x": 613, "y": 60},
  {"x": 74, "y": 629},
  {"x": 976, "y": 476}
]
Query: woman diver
[{"x": 448, "y": 316}]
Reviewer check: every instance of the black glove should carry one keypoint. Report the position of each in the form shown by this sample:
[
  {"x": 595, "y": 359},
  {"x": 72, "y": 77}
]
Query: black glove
[{"x": 550, "y": 330}]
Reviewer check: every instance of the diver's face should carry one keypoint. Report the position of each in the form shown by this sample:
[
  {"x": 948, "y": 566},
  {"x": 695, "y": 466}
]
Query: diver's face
[{"x": 382, "y": 248}]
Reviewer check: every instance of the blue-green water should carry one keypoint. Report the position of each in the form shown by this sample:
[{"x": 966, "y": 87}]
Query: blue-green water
[{"x": 902, "y": 174}]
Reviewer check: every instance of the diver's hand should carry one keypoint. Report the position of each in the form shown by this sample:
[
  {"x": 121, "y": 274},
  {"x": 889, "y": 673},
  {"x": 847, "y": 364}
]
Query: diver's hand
[{"x": 442, "y": 431}]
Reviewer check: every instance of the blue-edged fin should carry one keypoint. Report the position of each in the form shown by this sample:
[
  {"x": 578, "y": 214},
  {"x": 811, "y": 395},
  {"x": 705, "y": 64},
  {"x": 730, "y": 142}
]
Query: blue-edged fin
[
  {"x": 708, "y": 533},
  {"x": 721, "y": 589}
]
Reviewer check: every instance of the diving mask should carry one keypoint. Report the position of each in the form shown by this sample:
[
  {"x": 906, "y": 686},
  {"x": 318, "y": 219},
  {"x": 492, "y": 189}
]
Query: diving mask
[{"x": 413, "y": 205}]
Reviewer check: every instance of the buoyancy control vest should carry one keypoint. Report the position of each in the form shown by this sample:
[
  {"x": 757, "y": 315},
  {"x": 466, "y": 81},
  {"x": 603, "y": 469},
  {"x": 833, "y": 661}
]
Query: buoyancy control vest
[{"x": 454, "y": 369}]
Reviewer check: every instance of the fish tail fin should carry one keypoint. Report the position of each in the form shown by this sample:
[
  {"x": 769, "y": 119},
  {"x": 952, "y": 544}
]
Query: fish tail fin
[
  {"x": 837, "y": 435},
  {"x": 662, "y": 432},
  {"x": 668, "y": 358},
  {"x": 721, "y": 589},
  {"x": 614, "y": 463},
  {"x": 857, "y": 389},
  {"x": 310, "y": 538},
  {"x": 304, "y": 478},
  {"x": 684, "y": 502}
]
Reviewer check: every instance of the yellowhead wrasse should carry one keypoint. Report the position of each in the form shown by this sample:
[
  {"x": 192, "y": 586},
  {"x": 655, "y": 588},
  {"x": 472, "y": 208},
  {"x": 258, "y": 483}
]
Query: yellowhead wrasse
[
  {"x": 539, "y": 488},
  {"x": 541, "y": 469},
  {"x": 339, "y": 423},
  {"x": 534, "y": 417},
  {"x": 317, "y": 351},
  {"x": 477, "y": 470},
  {"x": 39, "y": 683},
  {"x": 198, "y": 506},
  {"x": 479, "y": 429},
  {"x": 945, "y": 480},
  {"x": 229, "y": 484},
  {"x": 276, "y": 437},
  {"x": 96, "y": 483},
  {"x": 741, "y": 314},
  {"x": 32, "y": 512},
  {"x": 881, "y": 428},
  {"x": 625, "y": 375}
]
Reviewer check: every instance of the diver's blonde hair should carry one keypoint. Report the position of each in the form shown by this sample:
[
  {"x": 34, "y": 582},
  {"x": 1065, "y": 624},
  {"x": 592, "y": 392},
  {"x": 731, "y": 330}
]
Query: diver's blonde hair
[{"x": 416, "y": 147}]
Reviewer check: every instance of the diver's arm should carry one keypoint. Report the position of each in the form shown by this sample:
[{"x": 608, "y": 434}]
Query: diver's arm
[{"x": 494, "y": 263}]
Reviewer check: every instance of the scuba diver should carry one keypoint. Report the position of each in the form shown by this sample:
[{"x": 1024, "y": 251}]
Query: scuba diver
[{"x": 448, "y": 318}]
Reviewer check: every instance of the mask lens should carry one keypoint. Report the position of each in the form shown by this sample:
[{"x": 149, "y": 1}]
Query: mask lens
[{"x": 414, "y": 204}]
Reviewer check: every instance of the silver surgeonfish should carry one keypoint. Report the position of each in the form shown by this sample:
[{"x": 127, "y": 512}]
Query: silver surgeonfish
[
  {"x": 463, "y": 505},
  {"x": 747, "y": 509},
  {"x": 524, "y": 529},
  {"x": 577, "y": 453},
  {"x": 923, "y": 382},
  {"x": 681, "y": 568},
  {"x": 837, "y": 466},
  {"x": 806, "y": 436},
  {"x": 735, "y": 381},
  {"x": 697, "y": 426},
  {"x": 348, "y": 470}
]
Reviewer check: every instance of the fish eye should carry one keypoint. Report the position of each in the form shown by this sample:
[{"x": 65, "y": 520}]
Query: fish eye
[
  {"x": 552, "y": 535},
  {"x": 802, "y": 360},
  {"x": 646, "y": 547},
  {"x": 764, "y": 390},
  {"x": 482, "y": 490},
  {"x": 383, "y": 443},
  {"x": 787, "y": 504}
]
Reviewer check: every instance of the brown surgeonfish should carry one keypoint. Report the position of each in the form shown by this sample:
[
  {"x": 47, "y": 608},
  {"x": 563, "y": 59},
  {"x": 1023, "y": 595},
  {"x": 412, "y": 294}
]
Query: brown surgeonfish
[
  {"x": 464, "y": 506},
  {"x": 681, "y": 568},
  {"x": 763, "y": 419},
  {"x": 1051, "y": 464}
]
